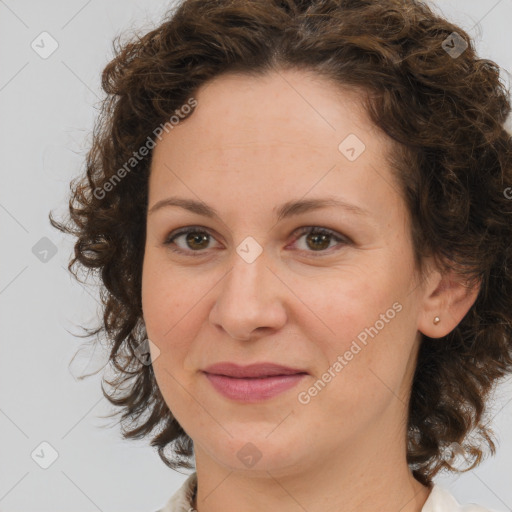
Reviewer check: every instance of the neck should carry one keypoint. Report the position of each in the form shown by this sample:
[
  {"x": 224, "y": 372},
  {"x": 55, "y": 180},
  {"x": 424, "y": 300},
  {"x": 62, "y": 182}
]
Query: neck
[{"x": 354, "y": 479}]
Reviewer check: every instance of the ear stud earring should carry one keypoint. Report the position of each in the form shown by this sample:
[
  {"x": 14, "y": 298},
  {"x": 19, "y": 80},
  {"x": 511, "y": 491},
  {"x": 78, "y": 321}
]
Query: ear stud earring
[{"x": 436, "y": 320}]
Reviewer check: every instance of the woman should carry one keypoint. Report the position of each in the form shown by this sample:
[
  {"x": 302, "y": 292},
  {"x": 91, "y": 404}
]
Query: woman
[{"x": 300, "y": 214}]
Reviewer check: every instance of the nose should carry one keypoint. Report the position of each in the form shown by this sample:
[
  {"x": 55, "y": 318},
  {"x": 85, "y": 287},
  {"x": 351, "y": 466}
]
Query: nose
[{"x": 251, "y": 300}]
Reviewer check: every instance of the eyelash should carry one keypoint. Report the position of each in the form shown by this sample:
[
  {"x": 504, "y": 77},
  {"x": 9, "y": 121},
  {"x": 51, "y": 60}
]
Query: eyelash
[{"x": 301, "y": 231}]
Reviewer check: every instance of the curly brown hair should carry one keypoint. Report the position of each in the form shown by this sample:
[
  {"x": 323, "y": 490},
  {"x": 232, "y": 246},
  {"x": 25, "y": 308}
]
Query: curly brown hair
[{"x": 444, "y": 112}]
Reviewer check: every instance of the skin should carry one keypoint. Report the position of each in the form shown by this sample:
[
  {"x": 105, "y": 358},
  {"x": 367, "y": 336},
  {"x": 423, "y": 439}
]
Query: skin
[{"x": 250, "y": 145}]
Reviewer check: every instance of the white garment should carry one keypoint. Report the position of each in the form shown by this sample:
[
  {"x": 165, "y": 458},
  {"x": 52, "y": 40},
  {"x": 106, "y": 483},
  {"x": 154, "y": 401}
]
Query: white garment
[{"x": 439, "y": 500}]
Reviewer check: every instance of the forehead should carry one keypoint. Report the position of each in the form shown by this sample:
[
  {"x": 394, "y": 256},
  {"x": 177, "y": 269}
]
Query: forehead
[
  {"x": 290, "y": 111},
  {"x": 283, "y": 107},
  {"x": 280, "y": 134}
]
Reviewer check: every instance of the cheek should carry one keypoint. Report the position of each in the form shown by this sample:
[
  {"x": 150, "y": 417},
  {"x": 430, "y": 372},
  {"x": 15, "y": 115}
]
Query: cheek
[
  {"x": 169, "y": 319},
  {"x": 362, "y": 333},
  {"x": 342, "y": 305},
  {"x": 165, "y": 295},
  {"x": 174, "y": 310},
  {"x": 159, "y": 307}
]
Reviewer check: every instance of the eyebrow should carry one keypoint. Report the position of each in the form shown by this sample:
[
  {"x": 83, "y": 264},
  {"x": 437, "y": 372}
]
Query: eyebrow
[{"x": 288, "y": 209}]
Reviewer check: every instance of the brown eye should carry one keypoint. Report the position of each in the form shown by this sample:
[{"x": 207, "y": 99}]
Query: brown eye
[
  {"x": 195, "y": 239},
  {"x": 319, "y": 239}
]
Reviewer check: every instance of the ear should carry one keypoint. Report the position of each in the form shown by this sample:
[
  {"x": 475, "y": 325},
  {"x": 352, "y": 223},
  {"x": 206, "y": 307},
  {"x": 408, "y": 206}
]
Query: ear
[{"x": 449, "y": 296}]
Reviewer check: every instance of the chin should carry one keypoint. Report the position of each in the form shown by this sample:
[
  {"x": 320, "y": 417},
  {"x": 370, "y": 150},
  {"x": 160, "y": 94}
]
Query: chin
[{"x": 259, "y": 453}]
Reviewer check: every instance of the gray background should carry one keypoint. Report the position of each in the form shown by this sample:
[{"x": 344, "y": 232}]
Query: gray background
[{"x": 47, "y": 111}]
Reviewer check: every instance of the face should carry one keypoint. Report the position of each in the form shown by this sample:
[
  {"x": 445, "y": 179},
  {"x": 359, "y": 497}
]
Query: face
[{"x": 256, "y": 283}]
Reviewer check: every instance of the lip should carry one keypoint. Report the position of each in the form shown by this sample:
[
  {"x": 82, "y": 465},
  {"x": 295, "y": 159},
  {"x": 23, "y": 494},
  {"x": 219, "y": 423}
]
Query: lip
[
  {"x": 253, "y": 383},
  {"x": 252, "y": 370}
]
